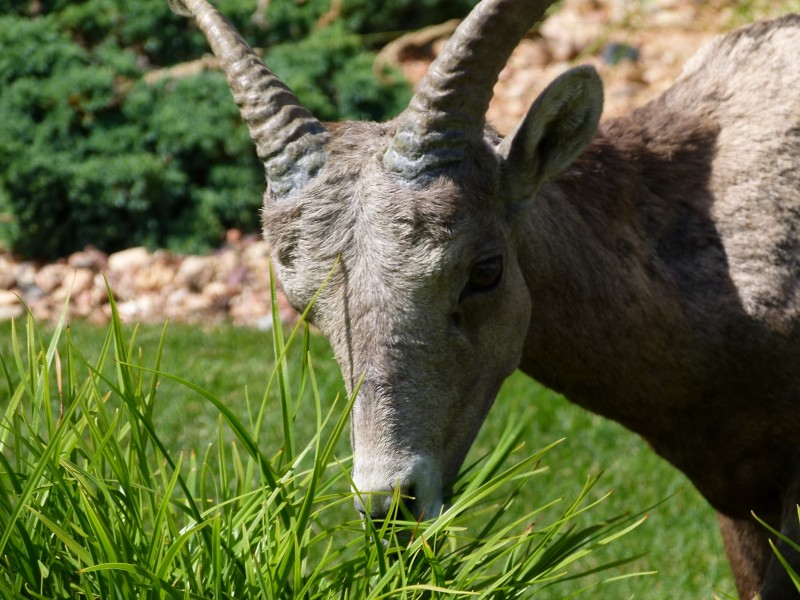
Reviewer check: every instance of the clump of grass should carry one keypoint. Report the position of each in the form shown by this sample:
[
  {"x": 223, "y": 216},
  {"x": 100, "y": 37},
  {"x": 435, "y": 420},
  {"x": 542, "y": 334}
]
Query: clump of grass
[
  {"x": 789, "y": 546},
  {"x": 92, "y": 504}
]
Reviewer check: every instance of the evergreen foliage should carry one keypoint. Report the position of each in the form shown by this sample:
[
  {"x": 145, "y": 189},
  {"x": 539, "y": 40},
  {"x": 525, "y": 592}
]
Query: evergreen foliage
[{"x": 91, "y": 153}]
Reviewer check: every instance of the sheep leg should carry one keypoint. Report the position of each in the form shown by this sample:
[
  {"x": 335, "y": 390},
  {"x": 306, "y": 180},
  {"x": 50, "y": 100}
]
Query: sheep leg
[{"x": 748, "y": 553}]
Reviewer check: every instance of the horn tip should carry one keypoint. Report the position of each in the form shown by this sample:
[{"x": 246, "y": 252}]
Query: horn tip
[{"x": 179, "y": 8}]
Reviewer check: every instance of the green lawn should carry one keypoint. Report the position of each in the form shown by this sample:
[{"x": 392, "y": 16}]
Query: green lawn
[{"x": 679, "y": 540}]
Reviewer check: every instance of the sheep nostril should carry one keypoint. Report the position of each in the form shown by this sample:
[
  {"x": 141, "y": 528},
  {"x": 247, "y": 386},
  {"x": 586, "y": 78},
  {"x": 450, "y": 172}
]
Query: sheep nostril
[
  {"x": 408, "y": 498},
  {"x": 375, "y": 504},
  {"x": 412, "y": 493}
]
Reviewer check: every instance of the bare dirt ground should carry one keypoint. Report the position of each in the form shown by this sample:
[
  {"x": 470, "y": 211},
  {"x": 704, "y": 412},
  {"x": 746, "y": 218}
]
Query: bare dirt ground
[{"x": 653, "y": 37}]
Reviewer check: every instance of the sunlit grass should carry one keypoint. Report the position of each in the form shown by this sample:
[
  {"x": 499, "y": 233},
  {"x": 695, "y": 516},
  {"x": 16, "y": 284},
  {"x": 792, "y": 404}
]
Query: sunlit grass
[
  {"x": 98, "y": 500},
  {"x": 679, "y": 540}
]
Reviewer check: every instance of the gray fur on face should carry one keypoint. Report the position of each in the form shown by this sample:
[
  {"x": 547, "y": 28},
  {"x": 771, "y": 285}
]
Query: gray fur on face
[{"x": 393, "y": 298}]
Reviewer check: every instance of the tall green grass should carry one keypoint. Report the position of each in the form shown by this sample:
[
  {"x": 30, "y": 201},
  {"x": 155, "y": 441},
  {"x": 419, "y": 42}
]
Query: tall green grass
[{"x": 95, "y": 503}]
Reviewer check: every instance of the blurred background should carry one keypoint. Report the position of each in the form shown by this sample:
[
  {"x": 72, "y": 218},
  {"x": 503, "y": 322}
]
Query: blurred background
[{"x": 118, "y": 132}]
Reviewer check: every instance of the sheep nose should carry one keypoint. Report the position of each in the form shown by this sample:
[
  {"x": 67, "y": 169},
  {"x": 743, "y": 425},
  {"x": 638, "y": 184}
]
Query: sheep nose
[
  {"x": 417, "y": 482},
  {"x": 378, "y": 504}
]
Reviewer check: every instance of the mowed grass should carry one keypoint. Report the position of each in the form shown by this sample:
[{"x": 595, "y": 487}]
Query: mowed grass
[{"x": 679, "y": 540}]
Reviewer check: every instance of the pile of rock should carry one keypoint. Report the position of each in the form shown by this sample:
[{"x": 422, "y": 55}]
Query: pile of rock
[{"x": 232, "y": 284}]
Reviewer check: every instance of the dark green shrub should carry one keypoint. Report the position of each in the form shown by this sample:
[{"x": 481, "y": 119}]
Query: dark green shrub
[
  {"x": 336, "y": 80},
  {"x": 92, "y": 154},
  {"x": 292, "y": 20}
]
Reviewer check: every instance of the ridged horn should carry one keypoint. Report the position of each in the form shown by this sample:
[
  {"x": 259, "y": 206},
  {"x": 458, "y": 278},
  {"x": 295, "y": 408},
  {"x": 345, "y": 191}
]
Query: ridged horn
[
  {"x": 447, "y": 114},
  {"x": 289, "y": 140}
]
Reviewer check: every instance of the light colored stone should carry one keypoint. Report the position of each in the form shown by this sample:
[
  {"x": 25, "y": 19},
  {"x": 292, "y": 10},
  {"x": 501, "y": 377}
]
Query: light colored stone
[
  {"x": 189, "y": 306},
  {"x": 129, "y": 260},
  {"x": 99, "y": 292},
  {"x": 249, "y": 308},
  {"x": 128, "y": 308},
  {"x": 25, "y": 274},
  {"x": 143, "y": 308},
  {"x": 75, "y": 282},
  {"x": 82, "y": 280},
  {"x": 176, "y": 297},
  {"x": 226, "y": 262},
  {"x": 158, "y": 274},
  {"x": 216, "y": 291},
  {"x": 568, "y": 33},
  {"x": 196, "y": 272},
  {"x": 11, "y": 311},
  {"x": 9, "y": 298},
  {"x": 51, "y": 277},
  {"x": 256, "y": 253},
  {"x": 88, "y": 258},
  {"x": 8, "y": 278}
]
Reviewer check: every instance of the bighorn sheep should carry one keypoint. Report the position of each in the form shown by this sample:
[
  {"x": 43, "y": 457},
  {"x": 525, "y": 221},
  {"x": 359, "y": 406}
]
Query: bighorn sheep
[{"x": 648, "y": 268}]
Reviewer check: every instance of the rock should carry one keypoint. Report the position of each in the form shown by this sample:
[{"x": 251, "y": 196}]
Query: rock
[
  {"x": 226, "y": 262},
  {"x": 99, "y": 292},
  {"x": 255, "y": 257},
  {"x": 146, "y": 308},
  {"x": 88, "y": 258},
  {"x": 240, "y": 276},
  {"x": 74, "y": 283},
  {"x": 196, "y": 303},
  {"x": 196, "y": 272},
  {"x": 25, "y": 274},
  {"x": 191, "y": 307},
  {"x": 218, "y": 293},
  {"x": 8, "y": 278},
  {"x": 568, "y": 33},
  {"x": 50, "y": 277},
  {"x": 158, "y": 273},
  {"x": 9, "y": 298},
  {"x": 256, "y": 253},
  {"x": 129, "y": 260},
  {"x": 250, "y": 308},
  {"x": 82, "y": 280},
  {"x": 11, "y": 306},
  {"x": 12, "y": 311},
  {"x": 81, "y": 305},
  {"x": 176, "y": 297}
]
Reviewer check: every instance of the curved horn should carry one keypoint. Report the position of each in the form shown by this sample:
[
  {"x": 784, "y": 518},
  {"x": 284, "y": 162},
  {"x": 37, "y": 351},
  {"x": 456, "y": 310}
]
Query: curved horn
[
  {"x": 448, "y": 112},
  {"x": 288, "y": 138}
]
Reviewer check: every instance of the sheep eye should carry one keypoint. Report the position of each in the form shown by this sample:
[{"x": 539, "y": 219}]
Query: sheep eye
[{"x": 485, "y": 275}]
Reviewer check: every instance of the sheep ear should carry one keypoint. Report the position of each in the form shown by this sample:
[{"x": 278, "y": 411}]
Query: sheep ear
[{"x": 559, "y": 125}]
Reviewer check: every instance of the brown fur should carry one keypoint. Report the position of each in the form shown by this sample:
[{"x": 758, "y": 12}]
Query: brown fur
[{"x": 677, "y": 232}]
